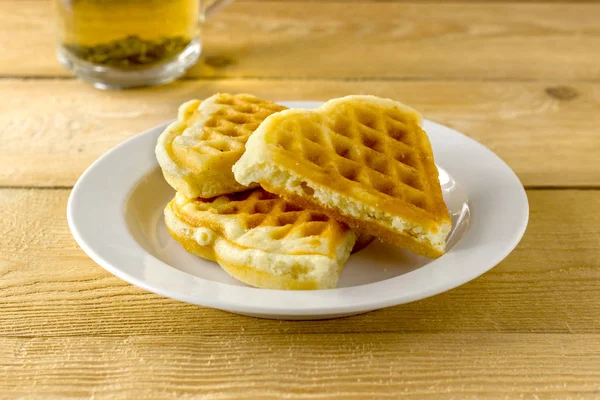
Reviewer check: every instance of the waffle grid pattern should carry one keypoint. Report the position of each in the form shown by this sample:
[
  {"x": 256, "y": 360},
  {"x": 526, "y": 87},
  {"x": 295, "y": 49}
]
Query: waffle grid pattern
[
  {"x": 228, "y": 128},
  {"x": 379, "y": 149},
  {"x": 258, "y": 208}
]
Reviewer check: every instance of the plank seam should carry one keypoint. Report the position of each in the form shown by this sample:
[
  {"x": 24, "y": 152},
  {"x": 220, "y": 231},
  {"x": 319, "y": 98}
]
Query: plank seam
[
  {"x": 324, "y": 78},
  {"x": 297, "y": 334}
]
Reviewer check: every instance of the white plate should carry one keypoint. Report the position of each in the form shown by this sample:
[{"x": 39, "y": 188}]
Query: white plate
[{"x": 115, "y": 214}]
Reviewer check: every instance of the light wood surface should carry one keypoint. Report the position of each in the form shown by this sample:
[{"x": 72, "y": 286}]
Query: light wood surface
[
  {"x": 323, "y": 366},
  {"x": 523, "y": 122},
  {"x": 382, "y": 39},
  {"x": 521, "y": 77},
  {"x": 47, "y": 276}
]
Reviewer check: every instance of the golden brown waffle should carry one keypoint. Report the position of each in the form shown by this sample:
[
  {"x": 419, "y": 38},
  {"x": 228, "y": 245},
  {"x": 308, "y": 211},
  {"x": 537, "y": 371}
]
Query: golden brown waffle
[
  {"x": 364, "y": 160},
  {"x": 262, "y": 240},
  {"x": 197, "y": 151}
]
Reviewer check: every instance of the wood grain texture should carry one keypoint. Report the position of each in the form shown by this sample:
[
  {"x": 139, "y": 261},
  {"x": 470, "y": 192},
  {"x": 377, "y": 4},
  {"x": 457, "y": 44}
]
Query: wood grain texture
[
  {"x": 384, "y": 40},
  {"x": 49, "y": 287},
  {"x": 322, "y": 366},
  {"x": 524, "y": 79},
  {"x": 418, "y": 1},
  {"x": 546, "y": 131}
]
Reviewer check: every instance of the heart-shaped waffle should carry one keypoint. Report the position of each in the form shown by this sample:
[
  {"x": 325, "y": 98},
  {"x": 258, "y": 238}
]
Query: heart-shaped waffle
[
  {"x": 197, "y": 151},
  {"x": 362, "y": 159},
  {"x": 262, "y": 240}
]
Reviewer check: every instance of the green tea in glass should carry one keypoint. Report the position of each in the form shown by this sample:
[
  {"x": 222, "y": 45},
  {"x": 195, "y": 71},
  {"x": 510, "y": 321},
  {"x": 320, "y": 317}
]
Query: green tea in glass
[{"x": 130, "y": 43}]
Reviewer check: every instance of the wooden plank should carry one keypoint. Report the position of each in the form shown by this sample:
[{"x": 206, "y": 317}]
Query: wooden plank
[
  {"x": 355, "y": 366},
  {"x": 547, "y": 132},
  {"x": 383, "y": 39},
  {"x": 49, "y": 287},
  {"x": 417, "y": 1}
]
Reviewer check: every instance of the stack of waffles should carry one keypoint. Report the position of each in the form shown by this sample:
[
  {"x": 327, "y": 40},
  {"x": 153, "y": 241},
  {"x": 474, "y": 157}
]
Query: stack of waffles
[{"x": 279, "y": 198}]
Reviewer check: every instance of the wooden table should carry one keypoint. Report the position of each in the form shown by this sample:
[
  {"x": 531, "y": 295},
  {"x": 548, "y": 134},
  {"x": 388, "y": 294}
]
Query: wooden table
[{"x": 523, "y": 78}]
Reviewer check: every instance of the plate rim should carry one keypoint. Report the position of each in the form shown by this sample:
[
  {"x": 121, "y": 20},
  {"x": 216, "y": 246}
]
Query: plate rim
[{"x": 200, "y": 295}]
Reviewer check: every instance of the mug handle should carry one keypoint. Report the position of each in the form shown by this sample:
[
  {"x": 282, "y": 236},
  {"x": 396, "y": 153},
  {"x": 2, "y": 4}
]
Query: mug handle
[{"x": 215, "y": 7}]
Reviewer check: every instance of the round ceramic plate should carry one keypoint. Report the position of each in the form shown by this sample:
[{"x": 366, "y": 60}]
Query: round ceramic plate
[{"x": 115, "y": 213}]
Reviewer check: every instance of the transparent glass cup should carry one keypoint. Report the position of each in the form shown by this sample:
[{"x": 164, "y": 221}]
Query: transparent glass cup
[{"x": 115, "y": 44}]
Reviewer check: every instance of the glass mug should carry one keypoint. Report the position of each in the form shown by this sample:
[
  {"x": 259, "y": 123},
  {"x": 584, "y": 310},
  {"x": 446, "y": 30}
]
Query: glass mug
[{"x": 130, "y": 43}]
